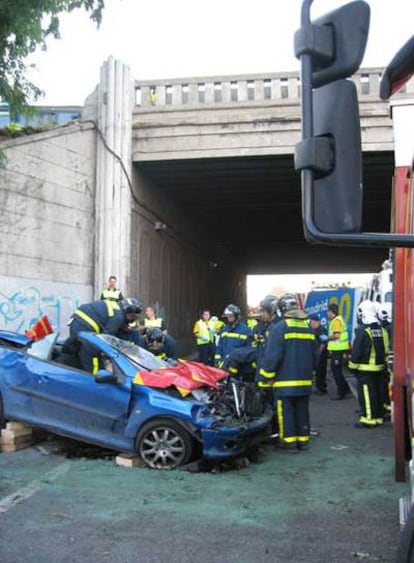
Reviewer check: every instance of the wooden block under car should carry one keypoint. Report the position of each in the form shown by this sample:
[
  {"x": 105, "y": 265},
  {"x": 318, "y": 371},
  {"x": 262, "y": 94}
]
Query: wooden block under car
[
  {"x": 129, "y": 460},
  {"x": 16, "y": 436},
  {"x": 18, "y": 428},
  {"x": 15, "y": 445}
]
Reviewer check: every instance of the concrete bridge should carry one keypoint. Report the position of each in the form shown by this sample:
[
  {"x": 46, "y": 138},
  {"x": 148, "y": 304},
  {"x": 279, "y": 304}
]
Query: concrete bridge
[
  {"x": 180, "y": 188},
  {"x": 239, "y": 116}
]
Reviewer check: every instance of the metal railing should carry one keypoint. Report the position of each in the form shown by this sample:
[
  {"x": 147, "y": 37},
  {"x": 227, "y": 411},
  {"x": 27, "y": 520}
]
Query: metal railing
[{"x": 231, "y": 90}]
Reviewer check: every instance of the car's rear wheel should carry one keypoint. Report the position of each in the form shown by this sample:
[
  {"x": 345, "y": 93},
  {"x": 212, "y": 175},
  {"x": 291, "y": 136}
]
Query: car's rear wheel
[{"x": 164, "y": 444}]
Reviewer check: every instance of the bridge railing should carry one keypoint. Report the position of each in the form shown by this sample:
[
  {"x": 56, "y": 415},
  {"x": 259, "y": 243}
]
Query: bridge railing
[{"x": 241, "y": 89}]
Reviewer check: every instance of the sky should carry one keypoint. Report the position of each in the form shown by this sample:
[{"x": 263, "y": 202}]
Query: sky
[{"x": 184, "y": 38}]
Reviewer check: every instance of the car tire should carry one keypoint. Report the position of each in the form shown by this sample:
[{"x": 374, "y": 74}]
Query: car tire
[{"x": 164, "y": 444}]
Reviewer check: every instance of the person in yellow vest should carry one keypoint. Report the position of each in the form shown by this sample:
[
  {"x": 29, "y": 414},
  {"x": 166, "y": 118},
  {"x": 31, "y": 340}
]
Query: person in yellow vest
[
  {"x": 152, "y": 321},
  {"x": 111, "y": 293},
  {"x": 338, "y": 345},
  {"x": 204, "y": 331}
]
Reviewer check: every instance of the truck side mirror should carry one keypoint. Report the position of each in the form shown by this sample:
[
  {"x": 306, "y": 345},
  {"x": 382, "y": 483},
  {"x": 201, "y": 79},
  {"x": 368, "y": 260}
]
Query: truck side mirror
[
  {"x": 329, "y": 155},
  {"x": 336, "y": 195}
]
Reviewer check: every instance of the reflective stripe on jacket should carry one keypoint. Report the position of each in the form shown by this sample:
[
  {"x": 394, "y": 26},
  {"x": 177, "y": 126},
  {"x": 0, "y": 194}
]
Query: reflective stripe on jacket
[
  {"x": 289, "y": 357},
  {"x": 370, "y": 349},
  {"x": 99, "y": 316},
  {"x": 342, "y": 343},
  {"x": 232, "y": 336}
]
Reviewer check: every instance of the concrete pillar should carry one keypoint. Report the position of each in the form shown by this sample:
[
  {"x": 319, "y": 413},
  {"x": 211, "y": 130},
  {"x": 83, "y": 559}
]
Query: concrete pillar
[{"x": 113, "y": 174}]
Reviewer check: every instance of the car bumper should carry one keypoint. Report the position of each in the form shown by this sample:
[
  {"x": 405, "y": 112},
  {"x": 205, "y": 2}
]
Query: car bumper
[{"x": 230, "y": 441}]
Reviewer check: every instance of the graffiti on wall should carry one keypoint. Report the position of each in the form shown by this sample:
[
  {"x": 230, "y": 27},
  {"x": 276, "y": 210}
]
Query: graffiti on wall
[{"x": 20, "y": 308}]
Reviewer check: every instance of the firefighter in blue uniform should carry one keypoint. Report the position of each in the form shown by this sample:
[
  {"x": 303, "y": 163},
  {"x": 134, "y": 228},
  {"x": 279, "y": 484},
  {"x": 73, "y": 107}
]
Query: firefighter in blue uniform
[
  {"x": 288, "y": 362},
  {"x": 163, "y": 346},
  {"x": 101, "y": 317},
  {"x": 368, "y": 362},
  {"x": 244, "y": 362},
  {"x": 235, "y": 334}
]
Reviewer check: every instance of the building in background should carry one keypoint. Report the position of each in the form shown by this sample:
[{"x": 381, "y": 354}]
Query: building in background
[{"x": 42, "y": 116}]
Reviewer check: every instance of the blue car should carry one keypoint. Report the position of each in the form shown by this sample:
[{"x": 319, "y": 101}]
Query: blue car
[{"x": 167, "y": 414}]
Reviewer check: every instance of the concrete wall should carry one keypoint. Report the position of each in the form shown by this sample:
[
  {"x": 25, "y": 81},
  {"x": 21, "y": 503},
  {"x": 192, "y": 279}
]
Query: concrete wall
[
  {"x": 47, "y": 198},
  {"x": 177, "y": 266}
]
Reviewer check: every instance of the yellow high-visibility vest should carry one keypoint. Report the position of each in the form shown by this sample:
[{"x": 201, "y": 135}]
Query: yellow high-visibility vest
[
  {"x": 342, "y": 343},
  {"x": 204, "y": 331}
]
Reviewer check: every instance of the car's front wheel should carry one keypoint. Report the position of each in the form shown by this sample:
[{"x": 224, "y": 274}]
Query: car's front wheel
[{"x": 164, "y": 444}]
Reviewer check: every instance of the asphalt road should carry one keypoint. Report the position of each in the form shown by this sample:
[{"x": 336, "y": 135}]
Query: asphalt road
[{"x": 337, "y": 502}]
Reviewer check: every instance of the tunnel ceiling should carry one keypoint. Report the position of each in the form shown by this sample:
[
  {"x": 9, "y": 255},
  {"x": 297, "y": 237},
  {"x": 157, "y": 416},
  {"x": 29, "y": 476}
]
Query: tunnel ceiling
[{"x": 252, "y": 205}]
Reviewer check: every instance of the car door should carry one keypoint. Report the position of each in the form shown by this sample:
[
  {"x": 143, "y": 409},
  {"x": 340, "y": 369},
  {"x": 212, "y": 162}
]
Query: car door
[{"x": 72, "y": 402}]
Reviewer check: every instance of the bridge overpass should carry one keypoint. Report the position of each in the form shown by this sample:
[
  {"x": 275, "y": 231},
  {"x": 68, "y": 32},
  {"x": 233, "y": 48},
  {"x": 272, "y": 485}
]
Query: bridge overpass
[{"x": 222, "y": 147}]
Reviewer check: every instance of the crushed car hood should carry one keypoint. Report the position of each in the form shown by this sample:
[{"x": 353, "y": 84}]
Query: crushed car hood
[{"x": 186, "y": 377}]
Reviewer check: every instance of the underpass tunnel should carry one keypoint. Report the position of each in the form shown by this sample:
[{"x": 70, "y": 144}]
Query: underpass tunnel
[{"x": 252, "y": 206}]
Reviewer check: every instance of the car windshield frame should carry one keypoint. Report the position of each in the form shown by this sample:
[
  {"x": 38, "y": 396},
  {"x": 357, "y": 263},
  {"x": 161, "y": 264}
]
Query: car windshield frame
[{"x": 135, "y": 354}]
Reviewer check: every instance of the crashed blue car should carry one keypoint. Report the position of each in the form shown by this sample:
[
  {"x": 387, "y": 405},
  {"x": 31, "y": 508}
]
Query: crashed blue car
[{"x": 167, "y": 414}]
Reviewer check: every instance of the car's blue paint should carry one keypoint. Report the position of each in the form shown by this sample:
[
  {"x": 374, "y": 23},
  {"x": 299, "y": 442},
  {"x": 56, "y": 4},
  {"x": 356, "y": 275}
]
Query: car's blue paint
[
  {"x": 68, "y": 401},
  {"x": 14, "y": 337}
]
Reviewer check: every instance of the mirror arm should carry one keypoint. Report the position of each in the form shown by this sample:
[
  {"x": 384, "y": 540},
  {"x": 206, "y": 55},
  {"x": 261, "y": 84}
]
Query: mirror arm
[{"x": 314, "y": 235}]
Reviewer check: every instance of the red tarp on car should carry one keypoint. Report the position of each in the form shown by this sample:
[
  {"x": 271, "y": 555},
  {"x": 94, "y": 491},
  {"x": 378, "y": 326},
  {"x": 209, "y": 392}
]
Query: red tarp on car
[{"x": 186, "y": 376}]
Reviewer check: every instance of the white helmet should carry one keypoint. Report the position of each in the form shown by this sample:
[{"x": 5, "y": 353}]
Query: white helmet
[
  {"x": 385, "y": 312},
  {"x": 367, "y": 312}
]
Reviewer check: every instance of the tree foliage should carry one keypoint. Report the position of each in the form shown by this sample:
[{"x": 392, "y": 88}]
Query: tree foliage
[{"x": 24, "y": 26}]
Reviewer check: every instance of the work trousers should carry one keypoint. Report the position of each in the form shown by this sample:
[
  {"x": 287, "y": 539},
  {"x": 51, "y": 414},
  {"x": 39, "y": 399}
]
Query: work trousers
[
  {"x": 342, "y": 385},
  {"x": 206, "y": 353},
  {"x": 370, "y": 397},
  {"x": 320, "y": 373},
  {"x": 293, "y": 420},
  {"x": 87, "y": 353}
]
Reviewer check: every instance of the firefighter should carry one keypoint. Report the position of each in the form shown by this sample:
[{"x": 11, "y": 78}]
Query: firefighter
[
  {"x": 368, "y": 362},
  {"x": 106, "y": 317},
  {"x": 235, "y": 334},
  {"x": 289, "y": 359},
  {"x": 163, "y": 346},
  {"x": 321, "y": 338},
  {"x": 111, "y": 292},
  {"x": 385, "y": 317},
  {"x": 244, "y": 362},
  {"x": 204, "y": 331},
  {"x": 338, "y": 345}
]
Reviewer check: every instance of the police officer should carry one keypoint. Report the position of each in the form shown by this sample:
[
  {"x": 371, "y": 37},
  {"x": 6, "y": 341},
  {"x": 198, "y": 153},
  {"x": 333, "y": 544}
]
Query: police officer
[
  {"x": 338, "y": 345},
  {"x": 368, "y": 361},
  {"x": 163, "y": 346},
  {"x": 101, "y": 317},
  {"x": 288, "y": 362},
  {"x": 234, "y": 334},
  {"x": 111, "y": 292},
  {"x": 204, "y": 331}
]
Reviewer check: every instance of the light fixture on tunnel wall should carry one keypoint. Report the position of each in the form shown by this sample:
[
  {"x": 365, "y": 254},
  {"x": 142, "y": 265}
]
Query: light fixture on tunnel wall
[
  {"x": 158, "y": 226},
  {"x": 213, "y": 264}
]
